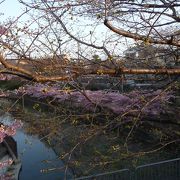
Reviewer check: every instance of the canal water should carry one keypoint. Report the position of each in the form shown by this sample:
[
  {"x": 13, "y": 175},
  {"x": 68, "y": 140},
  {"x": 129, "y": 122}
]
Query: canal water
[{"x": 39, "y": 161}]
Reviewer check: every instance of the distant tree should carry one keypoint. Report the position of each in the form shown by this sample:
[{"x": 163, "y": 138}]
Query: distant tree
[{"x": 151, "y": 56}]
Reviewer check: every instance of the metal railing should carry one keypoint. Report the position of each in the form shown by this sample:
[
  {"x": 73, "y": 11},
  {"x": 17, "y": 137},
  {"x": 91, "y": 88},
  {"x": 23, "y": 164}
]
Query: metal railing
[{"x": 164, "y": 170}]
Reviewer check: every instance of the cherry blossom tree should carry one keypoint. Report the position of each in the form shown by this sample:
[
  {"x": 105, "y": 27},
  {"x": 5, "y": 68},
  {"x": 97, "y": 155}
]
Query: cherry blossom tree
[
  {"x": 89, "y": 27},
  {"x": 90, "y": 31}
]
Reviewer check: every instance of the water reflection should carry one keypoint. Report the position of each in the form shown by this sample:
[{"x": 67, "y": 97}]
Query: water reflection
[{"x": 36, "y": 156}]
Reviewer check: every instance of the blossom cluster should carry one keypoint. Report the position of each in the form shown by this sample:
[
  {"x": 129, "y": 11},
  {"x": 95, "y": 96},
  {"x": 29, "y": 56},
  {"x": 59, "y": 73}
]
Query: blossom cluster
[
  {"x": 6, "y": 163},
  {"x": 148, "y": 102},
  {"x": 5, "y": 77},
  {"x": 9, "y": 130},
  {"x": 3, "y": 30}
]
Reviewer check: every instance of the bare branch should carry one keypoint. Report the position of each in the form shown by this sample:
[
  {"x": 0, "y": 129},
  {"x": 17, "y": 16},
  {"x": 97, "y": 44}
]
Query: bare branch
[{"x": 139, "y": 37}]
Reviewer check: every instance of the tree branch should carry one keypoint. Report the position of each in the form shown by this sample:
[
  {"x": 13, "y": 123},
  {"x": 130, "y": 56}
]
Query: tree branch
[
  {"x": 139, "y": 37},
  {"x": 19, "y": 71},
  {"x": 30, "y": 75},
  {"x": 75, "y": 38}
]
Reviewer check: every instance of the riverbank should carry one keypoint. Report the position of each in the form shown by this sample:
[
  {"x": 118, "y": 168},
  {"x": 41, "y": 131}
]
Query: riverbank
[
  {"x": 91, "y": 142},
  {"x": 89, "y": 148},
  {"x": 36, "y": 158}
]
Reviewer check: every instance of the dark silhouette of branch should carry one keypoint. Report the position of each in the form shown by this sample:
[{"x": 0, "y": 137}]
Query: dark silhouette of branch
[
  {"x": 19, "y": 71},
  {"x": 139, "y": 37}
]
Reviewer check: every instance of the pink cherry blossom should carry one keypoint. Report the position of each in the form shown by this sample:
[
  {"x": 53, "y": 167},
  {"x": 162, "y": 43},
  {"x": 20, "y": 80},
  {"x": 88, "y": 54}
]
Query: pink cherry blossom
[
  {"x": 3, "y": 30},
  {"x": 9, "y": 130}
]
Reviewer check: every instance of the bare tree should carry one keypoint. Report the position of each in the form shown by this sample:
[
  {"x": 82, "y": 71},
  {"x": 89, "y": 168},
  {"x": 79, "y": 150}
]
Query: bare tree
[{"x": 85, "y": 28}]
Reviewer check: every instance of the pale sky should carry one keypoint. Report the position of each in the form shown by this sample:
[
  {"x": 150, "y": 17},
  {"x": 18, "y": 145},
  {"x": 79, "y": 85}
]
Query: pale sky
[{"x": 10, "y": 8}]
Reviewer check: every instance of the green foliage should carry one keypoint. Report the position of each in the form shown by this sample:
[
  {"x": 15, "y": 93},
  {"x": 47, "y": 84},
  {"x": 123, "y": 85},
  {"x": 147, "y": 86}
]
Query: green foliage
[
  {"x": 96, "y": 58},
  {"x": 37, "y": 107}
]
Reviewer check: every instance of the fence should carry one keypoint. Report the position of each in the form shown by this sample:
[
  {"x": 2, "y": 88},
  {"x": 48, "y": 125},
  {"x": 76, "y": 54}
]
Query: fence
[{"x": 164, "y": 170}]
